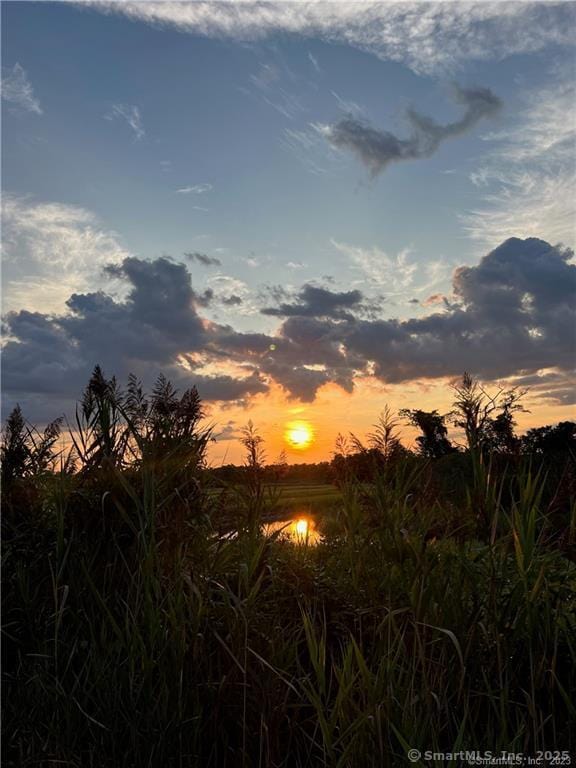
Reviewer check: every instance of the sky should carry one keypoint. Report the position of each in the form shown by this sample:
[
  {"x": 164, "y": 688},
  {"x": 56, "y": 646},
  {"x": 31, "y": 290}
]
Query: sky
[{"x": 307, "y": 210}]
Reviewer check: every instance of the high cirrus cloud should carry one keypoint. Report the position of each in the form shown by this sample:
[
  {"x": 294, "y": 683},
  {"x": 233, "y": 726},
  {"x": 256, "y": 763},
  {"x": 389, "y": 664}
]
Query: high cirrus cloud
[
  {"x": 18, "y": 92},
  {"x": 513, "y": 314},
  {"x": 377, "y": 149},
  {"x": 426, "y": 36}
]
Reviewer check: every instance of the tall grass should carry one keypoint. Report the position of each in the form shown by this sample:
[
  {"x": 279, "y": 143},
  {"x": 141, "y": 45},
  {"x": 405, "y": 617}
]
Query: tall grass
[{"x": 137, "y": 635}]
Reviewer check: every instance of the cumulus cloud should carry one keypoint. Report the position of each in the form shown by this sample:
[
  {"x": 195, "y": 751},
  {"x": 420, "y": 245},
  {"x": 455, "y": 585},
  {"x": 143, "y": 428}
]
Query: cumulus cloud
[
  {"x": 429, "y": 37},
  {"x": 18, "y": 92},
  {"x": 131, "y": 114},
  {"x": 146, "y": 333},
  {"x": 377, "y": 149},
  {"x": 233, "y": 294},
  {"x": 232, "y": 300},
  {"x": 511, "y": 315},
  {"x": 314, "y": 301},
  {"x": 203, "y": 258},
  {"x": 515, "y": 312}
]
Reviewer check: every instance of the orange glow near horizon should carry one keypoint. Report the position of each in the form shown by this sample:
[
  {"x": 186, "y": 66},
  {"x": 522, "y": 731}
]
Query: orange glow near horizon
[{"x": 335, "y": 411}]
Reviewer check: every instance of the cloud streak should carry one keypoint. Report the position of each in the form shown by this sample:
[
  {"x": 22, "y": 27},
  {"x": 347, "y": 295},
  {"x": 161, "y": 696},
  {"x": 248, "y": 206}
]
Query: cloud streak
[
  {"x": 528, "y": 179},
  {"x": 195, "y": 189},
  {"x": 18, "y": 92},
  {"x": 203, "y": 259},
  {"x": 131, "y": 114},
  {"x": 377, "y": 149}
]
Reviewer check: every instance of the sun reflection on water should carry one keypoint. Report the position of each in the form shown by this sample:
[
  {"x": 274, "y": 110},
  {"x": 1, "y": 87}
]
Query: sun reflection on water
[{"x": 300, "y": 530}]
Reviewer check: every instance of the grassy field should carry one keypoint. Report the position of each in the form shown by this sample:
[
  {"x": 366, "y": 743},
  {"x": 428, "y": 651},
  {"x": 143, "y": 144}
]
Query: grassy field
[
  {"x": 286, "y": 500},
  {"x": 297, "y": 499}
]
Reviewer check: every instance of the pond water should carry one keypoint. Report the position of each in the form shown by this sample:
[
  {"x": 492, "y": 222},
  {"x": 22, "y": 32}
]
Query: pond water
[{"x": 298, "y": 530}]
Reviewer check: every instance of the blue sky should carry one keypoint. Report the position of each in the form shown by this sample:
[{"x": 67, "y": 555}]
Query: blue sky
[{"x": 142, "y": 130}]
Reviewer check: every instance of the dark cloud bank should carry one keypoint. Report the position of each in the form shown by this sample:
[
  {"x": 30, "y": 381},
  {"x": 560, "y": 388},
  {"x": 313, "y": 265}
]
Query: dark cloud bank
[
  {"x": 377, "y": 149},
  {"x": 513, "y": 313}
]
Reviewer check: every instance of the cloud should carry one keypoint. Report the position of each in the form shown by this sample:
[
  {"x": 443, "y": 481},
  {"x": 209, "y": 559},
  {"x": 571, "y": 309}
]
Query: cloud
[
  {"x": 195, "y": 189},
  {"x": 131, "y": 114},
  {"x": 17, "y": 90},
  {"x": 395, "y": 274},
  {"x": 528, "y": 179},
  {"x": 348, "y": 106},
  {"x": 148, "y": 332},
  {"x": 377, "y": 149},
  {"x": 429, "y": 37},
  {"x": 311, "y": 150},
  {"x": 273, "y": 84},
  {"x": 551, "y": 385},
  {"x": 315, "y": 63},
  {"x": 234, "y": 294},
  {"x": 511, "y": 315},
  {"x": 232, "y": 301},
  {"x": 51, "y": 250},
  {"x": 203, "y": 258},
  {"x": 520, "y": 287},
  {"x": 313, "y": 301}
]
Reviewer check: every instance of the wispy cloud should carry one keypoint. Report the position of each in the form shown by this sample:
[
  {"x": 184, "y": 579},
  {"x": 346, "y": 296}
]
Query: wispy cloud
[
  {"x": 195, "y": 189},
  {"x": 17, "y": 90},
  {"x": 377, "y": 148},
  {"x": 529, "y": 177},
  {"x": 273, "y": 83},
  {"x": 428, "y": 37},
  {"x": 349, "y": 106},
  {"x": 395, "y": 274},
  {"x": 310, "y": 148},
  {"x": 131, "y": 114},
  {"x": 203, "y": 258},
  {"x": 315, "y": 63},
  {"x": 51, "y": 250}
]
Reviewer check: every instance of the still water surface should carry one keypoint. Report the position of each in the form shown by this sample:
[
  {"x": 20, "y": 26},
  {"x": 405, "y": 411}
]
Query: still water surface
[{"x": 299, "y": 530}]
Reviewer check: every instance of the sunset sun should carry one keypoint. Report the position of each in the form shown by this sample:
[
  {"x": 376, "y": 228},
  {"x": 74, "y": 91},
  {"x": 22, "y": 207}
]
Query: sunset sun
[{"x": 299, "y": 434}]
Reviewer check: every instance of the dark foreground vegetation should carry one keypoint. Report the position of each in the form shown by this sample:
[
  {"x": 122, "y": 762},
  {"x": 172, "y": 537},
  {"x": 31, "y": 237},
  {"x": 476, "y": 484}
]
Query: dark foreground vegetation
[{"x": 438, "y": 613}]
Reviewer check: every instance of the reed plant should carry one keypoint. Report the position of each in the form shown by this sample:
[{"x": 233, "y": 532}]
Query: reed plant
[{"x": 138, "y": 634}]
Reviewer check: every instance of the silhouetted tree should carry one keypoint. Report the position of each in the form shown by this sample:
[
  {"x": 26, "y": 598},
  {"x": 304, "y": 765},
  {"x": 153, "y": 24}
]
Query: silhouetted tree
[
  {"x": 551, "y": 439},
  {"x": 433, "y": 443},
  {"x": 475, "y": 410}
]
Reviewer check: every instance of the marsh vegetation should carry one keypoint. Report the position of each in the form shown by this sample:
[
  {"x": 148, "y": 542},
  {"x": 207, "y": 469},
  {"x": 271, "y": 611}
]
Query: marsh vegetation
[{"x": 436, "y": 611}]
